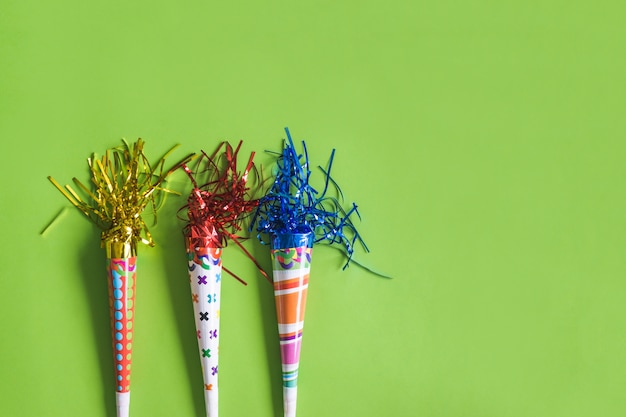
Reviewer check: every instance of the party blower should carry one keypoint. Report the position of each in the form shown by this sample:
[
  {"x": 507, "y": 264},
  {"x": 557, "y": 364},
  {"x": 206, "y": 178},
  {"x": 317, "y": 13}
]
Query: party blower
[
  {"x": 295, "y": 216},
  {"x": 218, "y": 203},
  {"x": 125, "y": 183}
]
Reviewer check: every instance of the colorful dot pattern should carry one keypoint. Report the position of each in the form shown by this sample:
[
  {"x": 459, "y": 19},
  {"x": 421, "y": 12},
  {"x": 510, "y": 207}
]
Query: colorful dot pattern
[
  {"x": 122, "y": 277},
  {"x": 205, "y": 269}
]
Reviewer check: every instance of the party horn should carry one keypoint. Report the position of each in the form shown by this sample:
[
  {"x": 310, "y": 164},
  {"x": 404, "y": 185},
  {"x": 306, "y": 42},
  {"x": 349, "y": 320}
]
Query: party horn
[
  {"x": 295, "y": 215},
  {"x": 123, "y": 184},
  {"x": 217, "y": 204},
  {"x": 291, "y": 266}
]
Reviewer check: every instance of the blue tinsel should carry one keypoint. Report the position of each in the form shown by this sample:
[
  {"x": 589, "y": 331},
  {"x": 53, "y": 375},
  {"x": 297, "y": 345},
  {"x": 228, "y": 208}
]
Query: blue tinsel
[{"x": 292, "y": 206}]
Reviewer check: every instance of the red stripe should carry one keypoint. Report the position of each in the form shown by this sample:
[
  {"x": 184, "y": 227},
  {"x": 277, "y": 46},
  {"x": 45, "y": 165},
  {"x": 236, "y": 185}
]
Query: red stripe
[{"x": 291, "y": 283}]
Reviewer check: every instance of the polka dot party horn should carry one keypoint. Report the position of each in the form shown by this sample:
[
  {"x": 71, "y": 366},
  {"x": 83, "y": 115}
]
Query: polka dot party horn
[
  {"x": 125, "y": 183},
  {"x": 218, "y": 203},
  {"x": 295, "y": 216}
]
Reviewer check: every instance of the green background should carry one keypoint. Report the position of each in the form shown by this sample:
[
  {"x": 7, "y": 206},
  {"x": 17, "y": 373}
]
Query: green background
[{"x": 483, "y": 141}]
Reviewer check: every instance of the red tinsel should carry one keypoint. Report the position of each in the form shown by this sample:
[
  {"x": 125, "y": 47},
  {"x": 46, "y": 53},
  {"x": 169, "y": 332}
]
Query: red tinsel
[{"x": 220, "y": 200}]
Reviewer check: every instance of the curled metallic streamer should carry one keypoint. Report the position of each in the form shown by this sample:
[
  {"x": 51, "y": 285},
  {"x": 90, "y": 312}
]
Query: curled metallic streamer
[
  {"x": 292, "y": 206},
  {"x": 124, "y": 184},
  {"x": 221, "y": 199}
]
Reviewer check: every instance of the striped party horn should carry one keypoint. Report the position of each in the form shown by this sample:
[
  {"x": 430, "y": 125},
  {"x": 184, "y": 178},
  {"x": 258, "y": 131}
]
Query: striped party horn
[
  {"x": 293, "y": 215},
  {"x": 291, "y": 265},
  {"x": 205, "y": 273}
]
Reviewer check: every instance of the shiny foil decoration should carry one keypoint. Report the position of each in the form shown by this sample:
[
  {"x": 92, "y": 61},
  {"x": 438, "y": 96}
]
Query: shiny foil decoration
[
  {"x": 221, "y": 199},
  {"x": 292, "y": 206},
  {"x": 124, "y": 183}
]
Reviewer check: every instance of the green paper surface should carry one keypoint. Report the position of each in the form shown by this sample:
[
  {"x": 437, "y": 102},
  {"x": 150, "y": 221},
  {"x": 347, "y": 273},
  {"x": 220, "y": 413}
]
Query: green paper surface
[{"x": 484, "y": 143}]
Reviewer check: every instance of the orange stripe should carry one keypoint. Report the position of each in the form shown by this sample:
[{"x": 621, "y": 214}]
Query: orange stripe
[{"x": 287, "y": 307}]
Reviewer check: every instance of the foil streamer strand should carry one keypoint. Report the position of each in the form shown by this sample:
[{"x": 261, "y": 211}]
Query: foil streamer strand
[
  {"x": 124, "y": 184},
  {"x": 293, "y": 206},
  {"x": 220, "y": 200}
]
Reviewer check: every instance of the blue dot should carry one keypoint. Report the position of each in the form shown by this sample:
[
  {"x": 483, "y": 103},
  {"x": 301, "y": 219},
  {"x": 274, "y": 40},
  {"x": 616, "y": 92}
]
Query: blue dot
[
  {"x": 118, "y": 294},
  {"x": 119, "y": 357},
  {"x": 118, "y": 336},
  {"x": 118, "y": 346},
  {"x": 119, "y": 377},
  {"x": 117, "y": 282},
  {"x": 119, "y": 367},
  {"x": 119, "y": 388},
  {"x": 118, "y": 325},
  {"x": 118, "y": 305},
  {"x": 118, "y": 315}
]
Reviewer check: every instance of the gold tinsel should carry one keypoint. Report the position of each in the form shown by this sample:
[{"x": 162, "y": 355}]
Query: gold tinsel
[{"x": 124, "y": 184}]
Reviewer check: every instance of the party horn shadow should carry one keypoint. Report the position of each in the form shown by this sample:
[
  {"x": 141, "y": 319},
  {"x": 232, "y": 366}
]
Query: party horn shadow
[{"x": 91, "y": 255}]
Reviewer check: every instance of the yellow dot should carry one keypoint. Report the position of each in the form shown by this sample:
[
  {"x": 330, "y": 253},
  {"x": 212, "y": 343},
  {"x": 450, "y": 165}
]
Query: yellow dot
[{"x": 129, "y": 336}]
